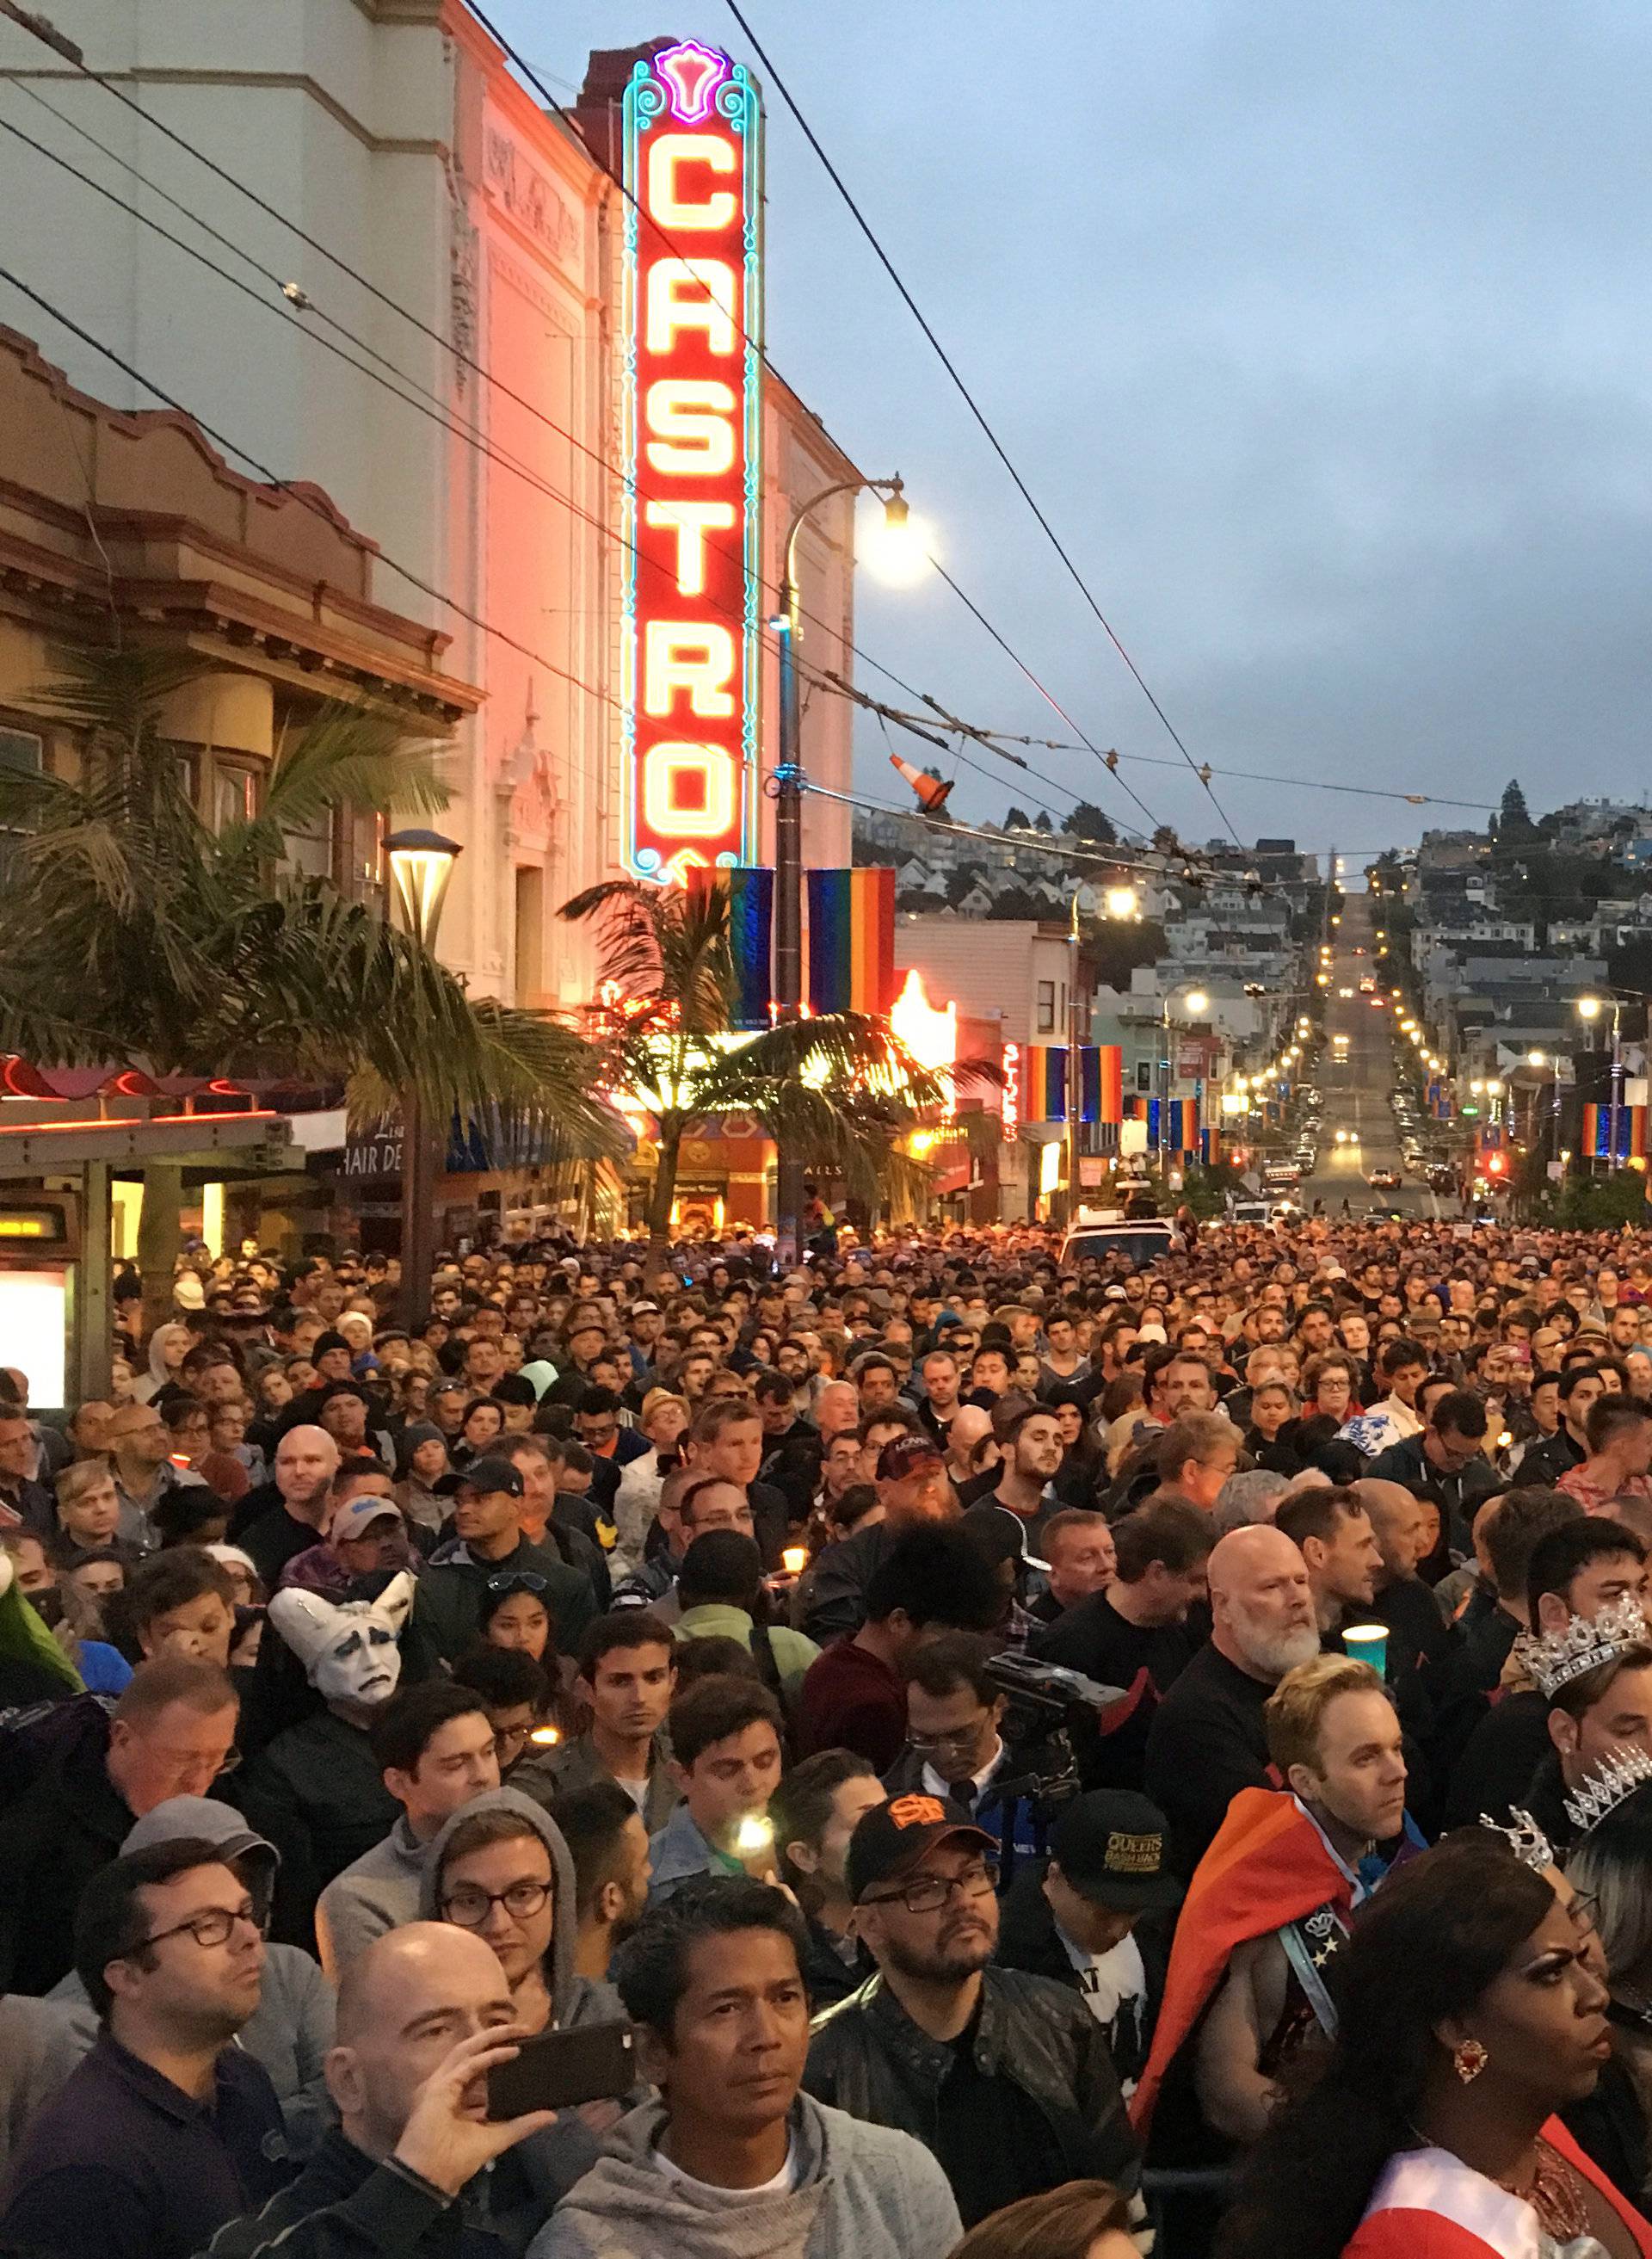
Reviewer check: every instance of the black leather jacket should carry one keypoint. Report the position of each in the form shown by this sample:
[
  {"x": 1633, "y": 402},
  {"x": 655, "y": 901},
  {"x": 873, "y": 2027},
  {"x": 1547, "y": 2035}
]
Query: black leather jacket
[{"x": 868, "y": 2057}]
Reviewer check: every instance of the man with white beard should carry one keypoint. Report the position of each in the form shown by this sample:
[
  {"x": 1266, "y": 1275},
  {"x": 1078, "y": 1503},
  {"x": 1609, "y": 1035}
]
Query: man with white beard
[{"x": 1208, "y": 1738}]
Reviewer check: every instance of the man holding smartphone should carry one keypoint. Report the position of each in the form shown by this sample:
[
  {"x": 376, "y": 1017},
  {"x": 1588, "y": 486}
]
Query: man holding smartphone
[{"x": 423, "y": 2014}]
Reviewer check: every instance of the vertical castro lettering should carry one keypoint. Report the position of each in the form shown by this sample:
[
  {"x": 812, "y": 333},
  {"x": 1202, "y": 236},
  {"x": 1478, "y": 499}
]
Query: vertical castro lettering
[{"x": 693, "y": 422}]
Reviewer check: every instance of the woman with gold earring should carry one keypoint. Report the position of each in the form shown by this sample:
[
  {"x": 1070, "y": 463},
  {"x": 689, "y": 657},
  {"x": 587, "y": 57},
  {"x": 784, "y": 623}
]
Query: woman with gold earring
[{"x": 1473, "y": 2007}]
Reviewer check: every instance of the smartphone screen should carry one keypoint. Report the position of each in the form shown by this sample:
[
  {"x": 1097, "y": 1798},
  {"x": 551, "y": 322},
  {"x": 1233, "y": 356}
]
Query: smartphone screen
[{"x": 560, "y": 2070}]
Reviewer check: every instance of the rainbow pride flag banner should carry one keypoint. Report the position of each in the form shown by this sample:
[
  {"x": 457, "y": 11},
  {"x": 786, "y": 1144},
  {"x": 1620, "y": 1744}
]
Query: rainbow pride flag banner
[
  {"x": 1181, "y": 1125},
  {"x": 1597, "y": 1132},
  {"x": 751, "y": 892},
  {"x": 851, "y": 941},
  {"x": 1043, "y": 1082}
]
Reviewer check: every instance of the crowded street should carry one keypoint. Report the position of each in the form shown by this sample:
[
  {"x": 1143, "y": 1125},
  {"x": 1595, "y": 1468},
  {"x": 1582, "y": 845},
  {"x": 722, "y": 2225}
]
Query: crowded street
[{"x": 825, "y": 1268}]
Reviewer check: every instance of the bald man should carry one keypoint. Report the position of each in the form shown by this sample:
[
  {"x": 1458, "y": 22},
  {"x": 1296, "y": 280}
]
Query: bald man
[
  {"x": 283, "y": 1518},
  {"x": 1403, "y": 1527},
  {"x": 968, "y": 1424},
  {"x": 423, "y": 2014},
  {"x": 1208, "y": 1739}
]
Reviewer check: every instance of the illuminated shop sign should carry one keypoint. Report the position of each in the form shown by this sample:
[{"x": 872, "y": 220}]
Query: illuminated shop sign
[{"x": 693, "y": 484}]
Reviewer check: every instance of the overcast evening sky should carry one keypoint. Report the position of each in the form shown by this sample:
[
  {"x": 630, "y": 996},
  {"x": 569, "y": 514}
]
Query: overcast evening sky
[{"x": 1320, "y": 332}]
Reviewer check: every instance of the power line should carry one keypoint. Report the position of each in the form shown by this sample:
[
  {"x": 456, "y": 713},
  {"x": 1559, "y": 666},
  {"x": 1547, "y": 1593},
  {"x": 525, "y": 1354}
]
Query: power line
[
  {"x": 1107, "y": 760},
  {"x": 306, "y": 500},
  {"x": 464, "y": 360},
  {"x": 970, "y": 402}
]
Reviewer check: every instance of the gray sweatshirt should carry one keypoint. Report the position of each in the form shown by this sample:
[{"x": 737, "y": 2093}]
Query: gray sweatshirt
[
  {"x": 863, "y": 2193},
  {"x": 380, "y": 1891}
]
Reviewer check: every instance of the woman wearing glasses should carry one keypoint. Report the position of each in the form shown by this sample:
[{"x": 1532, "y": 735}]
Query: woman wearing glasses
[{"x": 501, "y": 1869}]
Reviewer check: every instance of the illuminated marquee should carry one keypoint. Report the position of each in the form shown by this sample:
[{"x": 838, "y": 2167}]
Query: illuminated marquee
[
  {"x": 692, "y": 433},
  {"x": 1009, "y": 1103}
]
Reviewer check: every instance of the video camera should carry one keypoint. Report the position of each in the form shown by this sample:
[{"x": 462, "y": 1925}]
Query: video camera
[{"x": 1044, "y": 1702}]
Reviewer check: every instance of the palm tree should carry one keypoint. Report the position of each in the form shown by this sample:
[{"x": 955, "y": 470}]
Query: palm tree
[
  {"x": 841, "y": 1089},
  {"x": 135, "y": 932}
]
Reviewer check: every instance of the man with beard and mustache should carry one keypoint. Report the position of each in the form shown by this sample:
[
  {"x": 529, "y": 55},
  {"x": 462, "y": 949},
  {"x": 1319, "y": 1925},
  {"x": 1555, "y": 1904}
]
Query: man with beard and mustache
[
  {"x": 1208, "y": 1738},
  {"x": 1005, "y": 2077}
]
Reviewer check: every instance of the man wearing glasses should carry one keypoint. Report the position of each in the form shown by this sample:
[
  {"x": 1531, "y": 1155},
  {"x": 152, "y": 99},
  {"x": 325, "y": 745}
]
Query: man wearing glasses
[
  {"x": 167, "y": 2129},
  {"x": 1005, "y": 2076}
]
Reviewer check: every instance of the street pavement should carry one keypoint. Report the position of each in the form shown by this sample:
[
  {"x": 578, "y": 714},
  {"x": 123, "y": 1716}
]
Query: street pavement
[{"x": 1357, "y": 1093}]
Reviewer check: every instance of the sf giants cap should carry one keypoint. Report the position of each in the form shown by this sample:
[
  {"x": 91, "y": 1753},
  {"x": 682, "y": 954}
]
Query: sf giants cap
[{"x": 893, "y": 1836}]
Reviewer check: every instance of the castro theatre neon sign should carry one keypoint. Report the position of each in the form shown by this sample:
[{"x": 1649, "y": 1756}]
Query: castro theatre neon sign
[{"x": 693, "y": 434}]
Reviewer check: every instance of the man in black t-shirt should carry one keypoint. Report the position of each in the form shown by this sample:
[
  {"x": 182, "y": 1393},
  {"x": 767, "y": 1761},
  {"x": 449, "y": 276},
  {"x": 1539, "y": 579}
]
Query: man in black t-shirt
[{"x": 1134, "y": 1634}]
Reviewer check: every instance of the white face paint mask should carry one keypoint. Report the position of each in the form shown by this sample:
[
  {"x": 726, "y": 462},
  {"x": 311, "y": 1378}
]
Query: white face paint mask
[{"x": 348, "y": 1648}]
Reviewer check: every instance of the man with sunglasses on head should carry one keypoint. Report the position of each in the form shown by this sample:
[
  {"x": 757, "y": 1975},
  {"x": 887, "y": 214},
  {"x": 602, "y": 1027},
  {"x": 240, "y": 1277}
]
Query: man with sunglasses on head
[
  {"x": 489, "y": 1547},
  {"x": 1005, "y": 2077},
  {"x": 168, "y": 2130}
]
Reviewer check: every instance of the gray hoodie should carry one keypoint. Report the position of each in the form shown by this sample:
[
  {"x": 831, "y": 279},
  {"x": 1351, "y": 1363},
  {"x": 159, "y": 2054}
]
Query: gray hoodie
[
  {"x": 291, "y": 2030},
  {"x": 380, "y": 1891},
  {"x": 555, "y": 2159},
  {"x": 861, "y": 2189}
]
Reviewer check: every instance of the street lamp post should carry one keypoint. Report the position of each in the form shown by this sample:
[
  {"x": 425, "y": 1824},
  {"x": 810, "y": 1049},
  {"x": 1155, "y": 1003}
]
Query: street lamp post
[
  {"x": 787, "y": 786},
  {"x": 1589, "y": 1009},
  {"x": 421, "y": 867},
  {"x": 1075, "y": 1067},
  {"x": 1196, "y": 1001}
]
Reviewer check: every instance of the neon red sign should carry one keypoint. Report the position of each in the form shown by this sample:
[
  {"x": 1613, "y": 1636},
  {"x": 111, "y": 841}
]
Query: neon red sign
[{"x": 693, "y": 485}]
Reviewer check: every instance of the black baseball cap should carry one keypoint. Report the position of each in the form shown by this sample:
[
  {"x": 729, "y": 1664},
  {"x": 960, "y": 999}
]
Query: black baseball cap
[
  {"x": 1110, "y": 1846},
  {"x": 491, "y": 1474},
  {"x": 893, "y": 1836}
]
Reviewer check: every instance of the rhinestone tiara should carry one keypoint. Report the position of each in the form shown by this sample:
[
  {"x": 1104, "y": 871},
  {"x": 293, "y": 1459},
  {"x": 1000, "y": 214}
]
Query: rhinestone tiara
[
  {"x": 1619, "y": 1774},
  {"x": 1553, "y": 1659},
  {"x": 1524, "y": 1837}
]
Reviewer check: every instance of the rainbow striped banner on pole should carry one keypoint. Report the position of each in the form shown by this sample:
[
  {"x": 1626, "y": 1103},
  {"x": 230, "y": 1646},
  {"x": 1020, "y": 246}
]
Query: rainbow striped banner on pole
[
  {"x": 751, "y": 892},
  {"x": 1181, "y": 1125},
  {"x": 851, "y": 964},
  {"x": 1043, "y": 1082},
  {"x": 1597, "y": 1132}
]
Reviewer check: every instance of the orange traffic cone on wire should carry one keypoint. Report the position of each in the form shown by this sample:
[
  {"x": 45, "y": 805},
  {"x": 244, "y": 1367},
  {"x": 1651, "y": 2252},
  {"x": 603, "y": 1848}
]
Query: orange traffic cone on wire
[{"x": 931, "y": 790}]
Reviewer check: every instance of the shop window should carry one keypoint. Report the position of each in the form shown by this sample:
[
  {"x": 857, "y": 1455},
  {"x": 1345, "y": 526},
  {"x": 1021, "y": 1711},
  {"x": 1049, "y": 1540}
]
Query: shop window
[{"x": 234, "y": 794}]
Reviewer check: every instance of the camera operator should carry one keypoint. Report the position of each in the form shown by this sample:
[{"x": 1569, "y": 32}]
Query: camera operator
[{"x": 956, "y": 1750}]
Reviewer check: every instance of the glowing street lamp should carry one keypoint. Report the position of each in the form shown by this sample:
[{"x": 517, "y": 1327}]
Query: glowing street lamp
[
  {"x": 1122, "y": 902},
  {"x": 897, "y": 553}
]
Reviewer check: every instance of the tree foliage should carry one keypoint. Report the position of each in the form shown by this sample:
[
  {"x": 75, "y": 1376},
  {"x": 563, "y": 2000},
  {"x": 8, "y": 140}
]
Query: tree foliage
[
  {"x": 839, "y": 1089},
  {"x": 135, "y": 932},
  {"x": 1087, "y": 822}
]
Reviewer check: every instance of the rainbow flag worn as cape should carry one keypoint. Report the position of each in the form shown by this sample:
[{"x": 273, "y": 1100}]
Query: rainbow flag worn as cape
[{"x": 1268, "y": 1866}]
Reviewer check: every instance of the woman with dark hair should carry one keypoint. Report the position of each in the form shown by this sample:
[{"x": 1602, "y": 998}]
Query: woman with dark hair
[
  {"x": 1608, "y": 1867},
  {"x": 1471, "y": 2013},
  {"x": 1082, "y": 2219}
]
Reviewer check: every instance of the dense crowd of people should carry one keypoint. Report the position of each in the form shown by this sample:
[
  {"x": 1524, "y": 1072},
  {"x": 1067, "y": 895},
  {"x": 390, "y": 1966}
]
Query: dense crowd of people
[{"x": 928, "y": 1753}]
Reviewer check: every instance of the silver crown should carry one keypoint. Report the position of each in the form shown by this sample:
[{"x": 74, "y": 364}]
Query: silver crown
[
  {"x": 1524, "y": 1837},
  {"x": 1553, "y": 1659},
  {"x": 1619, "y": 1774}
]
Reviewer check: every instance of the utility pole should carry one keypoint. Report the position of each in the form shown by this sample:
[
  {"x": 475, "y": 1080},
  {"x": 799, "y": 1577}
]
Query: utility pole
[{"x": 1075, "y": 1069}]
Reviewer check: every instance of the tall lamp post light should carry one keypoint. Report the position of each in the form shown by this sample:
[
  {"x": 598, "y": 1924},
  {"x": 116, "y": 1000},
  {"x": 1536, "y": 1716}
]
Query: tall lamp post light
[
  {"x": 1543, "y": 1140},
  {"x": 421, "y": 868},
  {"x": 1196, "y": 1002},
  {"x": 1589, "y": 1009},
  {"x": 900, "y": 558}
]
